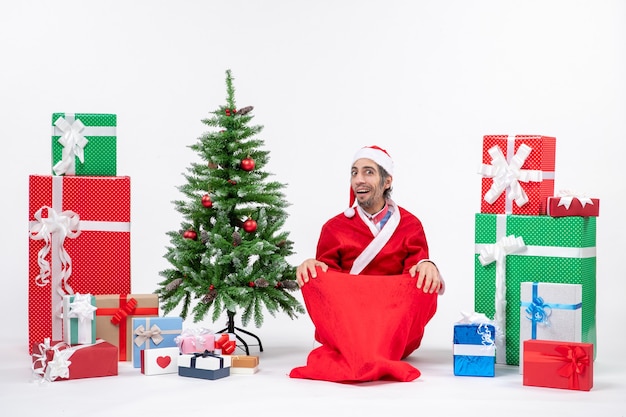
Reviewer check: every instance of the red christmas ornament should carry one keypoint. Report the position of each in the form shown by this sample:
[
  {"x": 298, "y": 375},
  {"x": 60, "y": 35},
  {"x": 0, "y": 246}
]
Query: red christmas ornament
[
  {"x": 249, "y": 226},
  {"x": 212, "y": 287},
  {"x": 190, "y": 234},
  {"x": 227, "y": 111},
  {"x": 247, "y": 164},
  {"x": 251, "y": 284},
  {"x": 206, "y": 201}
]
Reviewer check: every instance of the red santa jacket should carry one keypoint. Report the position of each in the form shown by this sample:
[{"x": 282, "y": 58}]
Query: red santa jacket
[{"x": 342, "y": 240}]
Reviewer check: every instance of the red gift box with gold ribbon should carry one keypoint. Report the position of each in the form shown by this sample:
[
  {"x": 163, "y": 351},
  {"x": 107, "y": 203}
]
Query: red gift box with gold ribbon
[
  {"x": 114, "y": 317},
  {"x": 558, "y": 364},
  {"x": 79, "y": 243},
  {"x": 518, "y": 174}
]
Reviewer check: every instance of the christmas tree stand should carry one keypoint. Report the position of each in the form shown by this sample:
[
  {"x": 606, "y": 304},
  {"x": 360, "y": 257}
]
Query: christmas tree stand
[{"x": 231, "y": 328}]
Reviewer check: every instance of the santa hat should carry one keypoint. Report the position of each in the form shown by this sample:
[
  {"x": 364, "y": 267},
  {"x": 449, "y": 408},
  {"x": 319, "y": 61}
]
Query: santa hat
[{"x": 376, "y": 154}]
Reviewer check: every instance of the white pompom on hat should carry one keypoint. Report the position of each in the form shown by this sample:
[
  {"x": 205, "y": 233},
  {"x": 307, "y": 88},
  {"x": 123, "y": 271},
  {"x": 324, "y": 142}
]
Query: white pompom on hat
[{"x": 376, "y": 154}]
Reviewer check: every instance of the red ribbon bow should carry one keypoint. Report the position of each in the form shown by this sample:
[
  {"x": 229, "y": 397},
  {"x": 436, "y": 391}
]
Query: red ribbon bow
[
  {"x": 123, "y": 312},
  {"x": 228, "y": 346},
  {"x": 576, "y": 361}
]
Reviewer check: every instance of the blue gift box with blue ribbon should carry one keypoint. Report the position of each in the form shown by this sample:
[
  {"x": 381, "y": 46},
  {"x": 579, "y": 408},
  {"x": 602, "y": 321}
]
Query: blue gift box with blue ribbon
[
  {"x": 474, "y": 349},
  {"x": 550, "y": 311}
]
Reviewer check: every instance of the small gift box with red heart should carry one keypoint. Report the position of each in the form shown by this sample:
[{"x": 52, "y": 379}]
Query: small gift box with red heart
[
  {"x": 205, "y": 365},
  {"x": 558, "y": 364},
  {"x": 159, "y": 361},
  {"x": 225, "y": 344},
  {"x": 195, "y": 341}
]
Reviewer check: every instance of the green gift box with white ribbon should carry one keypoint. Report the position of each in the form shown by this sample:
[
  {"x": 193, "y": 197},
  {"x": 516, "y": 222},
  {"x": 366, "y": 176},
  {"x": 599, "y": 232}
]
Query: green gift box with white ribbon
[
  {"x": 511, "y": 249},
  {"x": 84, "y": 144}
]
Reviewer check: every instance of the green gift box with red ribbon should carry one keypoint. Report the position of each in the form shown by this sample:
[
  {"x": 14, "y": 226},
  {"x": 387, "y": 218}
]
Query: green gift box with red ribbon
[
  {"x": 511, "y": 249},
  {"x": 84, "y": 144},
  {"x": 114, "y": 316},
  {"x": 79, "y": 242}
]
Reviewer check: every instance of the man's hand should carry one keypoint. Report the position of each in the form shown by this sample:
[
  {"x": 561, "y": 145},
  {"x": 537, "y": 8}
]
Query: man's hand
[
  {"x": 307, "y": 268},
  {"x": 428, "y": 277}
]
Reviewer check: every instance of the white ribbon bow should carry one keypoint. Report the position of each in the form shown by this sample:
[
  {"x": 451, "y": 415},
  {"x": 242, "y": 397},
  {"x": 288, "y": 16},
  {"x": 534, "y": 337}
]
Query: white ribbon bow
[
  {"x": 509, "y": 174},
  {"x": 65, "y": 224},
  {"x": 567, "y": 196},
  {"x": 73, "y": 143},
  {"x": 59, "y": 366},
  {"x": 143, "y": 335},
  {"x": 81, "y": 308},
  {"x": 497, "y": 253}
]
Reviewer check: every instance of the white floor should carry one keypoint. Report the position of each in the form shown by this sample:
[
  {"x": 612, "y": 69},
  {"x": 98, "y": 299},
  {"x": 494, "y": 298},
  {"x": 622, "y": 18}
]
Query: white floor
[{"x": 271, "y": 392}]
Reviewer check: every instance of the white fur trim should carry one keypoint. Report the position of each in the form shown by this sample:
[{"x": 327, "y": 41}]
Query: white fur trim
[
  {"x": 376, "y": 155},
  {"x": 349, "y": 212}
]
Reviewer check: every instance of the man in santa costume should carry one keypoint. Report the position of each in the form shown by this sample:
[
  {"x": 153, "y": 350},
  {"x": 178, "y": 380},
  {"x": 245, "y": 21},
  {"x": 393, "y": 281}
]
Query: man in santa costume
[{"x": 385, "y": 246}]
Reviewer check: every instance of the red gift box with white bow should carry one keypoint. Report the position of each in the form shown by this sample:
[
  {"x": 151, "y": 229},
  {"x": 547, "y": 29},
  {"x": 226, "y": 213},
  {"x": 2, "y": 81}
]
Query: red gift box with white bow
[
  {"x": 570, "y": 204},
  {"x": 79, "y": 243},
  {"x": 58, "y": 361},
  {"x": 518, "y": 174}
]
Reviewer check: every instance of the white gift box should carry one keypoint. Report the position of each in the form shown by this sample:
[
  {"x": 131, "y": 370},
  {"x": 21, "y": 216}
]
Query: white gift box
[
  {"x": 159, "y": 361},
  {"x": 550, "y": 311}
]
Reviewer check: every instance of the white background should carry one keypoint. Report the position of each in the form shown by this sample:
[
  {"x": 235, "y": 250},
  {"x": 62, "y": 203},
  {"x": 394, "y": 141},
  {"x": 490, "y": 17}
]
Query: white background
[{"x": 423, "y": 79}]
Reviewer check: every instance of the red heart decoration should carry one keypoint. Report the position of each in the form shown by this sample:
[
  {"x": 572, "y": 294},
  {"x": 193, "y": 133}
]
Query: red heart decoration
[{"x": 163, "y": 361}]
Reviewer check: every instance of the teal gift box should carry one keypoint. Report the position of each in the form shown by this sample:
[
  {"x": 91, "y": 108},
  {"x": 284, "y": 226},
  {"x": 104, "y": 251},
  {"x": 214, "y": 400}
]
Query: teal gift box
[
  {"x": 79, "y": 319},
  {"x": 154, "y": 332},
  {"x": 84, "y": 144},
  {"x": 511, "y": 249}
]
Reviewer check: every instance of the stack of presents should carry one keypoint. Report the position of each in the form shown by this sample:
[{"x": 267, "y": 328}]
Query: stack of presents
[
  {"x": 535, "y": 271},
  {"x": 82, "y": 315}
]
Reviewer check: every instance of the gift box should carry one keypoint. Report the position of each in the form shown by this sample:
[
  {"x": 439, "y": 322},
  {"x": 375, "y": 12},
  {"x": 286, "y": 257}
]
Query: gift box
[
  {"x": 558, "y": 364},
  {"x": 243, "y": 364},
  {"x": 550, "y": 312},
  {"x": 79, "y": 319},
  {"x": 76, "y": 245},
  {"x": 572, "y": 205},
  {"x": 159, "y": 361},
  {"x": 195, "y": 341},
  {"x": 205, "y": 365},
  {"x": 474, "y": 349},
  {"x": 114, "y": 318},
  {"x": 57, "y": 361},
  {"x": 84, "y": 144},
  {"x": 518, "y": 173},
  {"x": 512, "y": 249},
  {"x": 225, "y": 344},
  {"x": 154, "y": 332}
]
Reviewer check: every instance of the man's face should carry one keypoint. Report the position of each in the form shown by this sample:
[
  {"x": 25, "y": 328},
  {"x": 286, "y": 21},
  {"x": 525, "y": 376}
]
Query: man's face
[{"x": 365, "y": 182}]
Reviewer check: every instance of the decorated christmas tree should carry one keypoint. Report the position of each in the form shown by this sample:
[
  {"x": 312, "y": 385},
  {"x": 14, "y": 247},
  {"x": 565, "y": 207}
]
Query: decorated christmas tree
[{"x": 230, "y": 253}]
